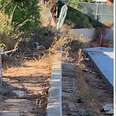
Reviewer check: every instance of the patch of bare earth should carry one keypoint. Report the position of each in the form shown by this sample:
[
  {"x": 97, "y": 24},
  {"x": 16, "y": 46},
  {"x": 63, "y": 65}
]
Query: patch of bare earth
[
  {"x": 93, "y": 90},
  {"x": 26, "y": 89}
]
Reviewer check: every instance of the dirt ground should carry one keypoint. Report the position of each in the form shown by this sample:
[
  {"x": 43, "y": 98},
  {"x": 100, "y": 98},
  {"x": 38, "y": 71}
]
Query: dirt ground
[
  {"x": 25, "y": 89},
  {"x": 92, "y": 92}
]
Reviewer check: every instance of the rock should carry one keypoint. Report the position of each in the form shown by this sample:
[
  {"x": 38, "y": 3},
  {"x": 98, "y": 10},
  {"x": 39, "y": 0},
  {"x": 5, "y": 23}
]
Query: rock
[
  {"x": 108, "y": 109},
  {"x": 4, "y": 90},
  {"x": 79, "y": 100}
]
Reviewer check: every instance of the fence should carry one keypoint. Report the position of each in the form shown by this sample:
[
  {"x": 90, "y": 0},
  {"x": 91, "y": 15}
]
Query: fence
[{"x": 100, "y": 11}]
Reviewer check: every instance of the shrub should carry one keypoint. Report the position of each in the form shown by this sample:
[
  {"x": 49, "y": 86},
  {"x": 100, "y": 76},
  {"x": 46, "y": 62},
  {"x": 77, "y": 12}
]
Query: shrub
[{"x": 18, "y": 17}]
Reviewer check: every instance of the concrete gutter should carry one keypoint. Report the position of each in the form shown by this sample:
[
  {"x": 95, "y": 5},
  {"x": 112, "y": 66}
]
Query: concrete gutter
[
  {"x": 54, "y": 107},
  {"x": 103, "y": 59}
]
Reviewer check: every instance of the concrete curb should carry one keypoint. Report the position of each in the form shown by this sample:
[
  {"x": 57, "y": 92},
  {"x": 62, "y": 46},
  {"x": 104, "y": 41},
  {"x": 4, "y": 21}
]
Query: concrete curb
[{"x": 54, "y": 107}]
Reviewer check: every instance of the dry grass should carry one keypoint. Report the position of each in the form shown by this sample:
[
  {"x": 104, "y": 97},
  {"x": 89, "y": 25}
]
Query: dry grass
[
  {"x": 33, "y": 79},
  {"x": 30, "y": 68},
  {"x": 4, "y": 23},
  {"x": 45, "y": 16}
]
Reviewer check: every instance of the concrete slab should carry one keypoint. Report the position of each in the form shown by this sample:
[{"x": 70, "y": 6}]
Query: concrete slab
[
  {"x": 9, "y": 113},
  {"x": 103, "y": 58}
]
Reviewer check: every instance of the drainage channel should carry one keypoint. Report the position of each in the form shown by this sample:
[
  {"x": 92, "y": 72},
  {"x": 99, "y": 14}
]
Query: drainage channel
[{"x": 69, "y": 96}]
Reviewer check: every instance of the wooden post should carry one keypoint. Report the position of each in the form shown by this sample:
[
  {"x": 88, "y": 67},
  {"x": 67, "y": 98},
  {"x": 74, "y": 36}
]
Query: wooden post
[{"x": 80, "y": 57}]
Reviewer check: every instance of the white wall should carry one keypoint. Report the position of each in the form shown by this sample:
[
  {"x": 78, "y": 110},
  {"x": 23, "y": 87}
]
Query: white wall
[{"x": 89, "y": 34}]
